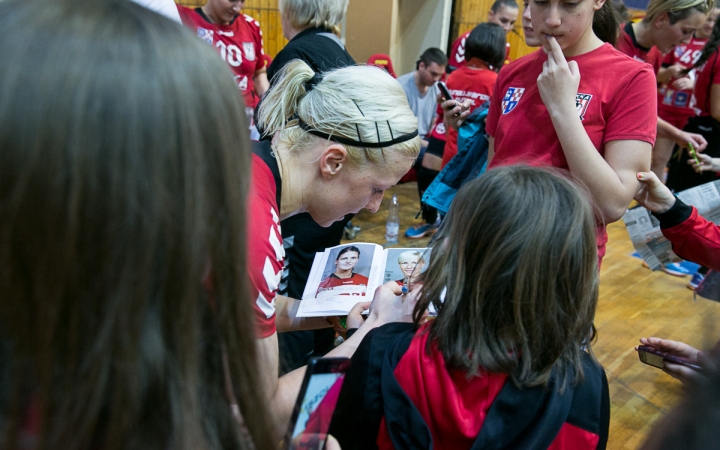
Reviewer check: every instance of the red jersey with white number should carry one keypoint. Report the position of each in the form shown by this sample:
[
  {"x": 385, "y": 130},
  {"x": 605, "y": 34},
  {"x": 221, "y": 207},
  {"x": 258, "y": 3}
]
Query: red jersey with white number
[
  {"x": 239, "y": 44},
  {"x": 708, "y": 75},
  {"x": 672, "y": 101},
  {"x": 265, "y": 248},
  {"x": 627, "y": 44},
  {"x": 457, "y": 52},
  {"x": 616, "y": 100},
  {"x": 475, "y": 82}
]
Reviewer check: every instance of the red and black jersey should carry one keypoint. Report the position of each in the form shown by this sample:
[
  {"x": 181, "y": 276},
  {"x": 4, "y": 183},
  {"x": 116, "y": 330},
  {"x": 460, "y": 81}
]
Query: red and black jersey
[
  {"x": 627, "y": 43},
  {"x": 240, "y": 44},
  {"x": 334, "y": 281},
  {"x": 265, "y": 246},
  {"x": 400, "y": 392},
  {"x": 671, "y": 101}
]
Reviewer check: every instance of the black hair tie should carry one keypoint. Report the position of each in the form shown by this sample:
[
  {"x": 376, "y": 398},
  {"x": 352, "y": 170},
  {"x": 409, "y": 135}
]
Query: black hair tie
[{"x": 312, "y": 82}]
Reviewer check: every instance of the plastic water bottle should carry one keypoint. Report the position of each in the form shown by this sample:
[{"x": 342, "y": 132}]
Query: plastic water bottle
[{"x": 392, "y": 227}]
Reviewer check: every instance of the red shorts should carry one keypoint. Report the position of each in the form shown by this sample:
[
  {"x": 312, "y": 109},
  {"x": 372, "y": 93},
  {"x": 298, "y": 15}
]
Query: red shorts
[{"x": 677, "y": 120}]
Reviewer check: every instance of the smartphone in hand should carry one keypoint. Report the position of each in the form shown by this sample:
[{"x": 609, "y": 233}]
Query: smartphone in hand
[
  {"x": 316, "y": 402},
  {"x": 444, "y": 91},
  {"x": 654, "y": 357}
]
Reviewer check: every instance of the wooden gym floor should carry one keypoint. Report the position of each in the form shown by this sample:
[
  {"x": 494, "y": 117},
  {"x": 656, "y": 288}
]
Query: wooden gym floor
[{"x": 634, "y": 302}]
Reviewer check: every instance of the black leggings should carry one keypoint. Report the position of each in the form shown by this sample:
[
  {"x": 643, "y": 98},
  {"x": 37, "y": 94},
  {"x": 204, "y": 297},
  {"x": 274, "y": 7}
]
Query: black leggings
[{"x": 426, "y": 176}]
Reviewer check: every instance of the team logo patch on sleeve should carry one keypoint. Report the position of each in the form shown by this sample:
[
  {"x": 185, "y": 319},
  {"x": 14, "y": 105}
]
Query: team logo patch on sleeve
[
  {"x": 249, "y": 50},
  {"x": 206, "y": 35},
  {"x": 581, "y": 104},
  {"x": 511, "y": 99}
]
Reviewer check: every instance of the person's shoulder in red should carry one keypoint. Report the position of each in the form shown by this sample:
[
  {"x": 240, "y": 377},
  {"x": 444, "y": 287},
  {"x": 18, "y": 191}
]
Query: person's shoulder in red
[
  {"x": 265, "y": 248},
  {"x": 617, "y": 97},
  {"x": 457, "y": 52},
  {"x": 708, "y": 75},
  {"x": 627, "y": 44},
  {"x": 252, "y": 25},
  {"x": 188, "y": 16}
]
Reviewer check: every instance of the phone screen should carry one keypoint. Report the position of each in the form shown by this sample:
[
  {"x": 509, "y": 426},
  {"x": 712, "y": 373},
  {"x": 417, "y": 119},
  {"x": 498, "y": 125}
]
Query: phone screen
[
  {"x": 655, "y": 358},
  {"x": 318, "y": 404}
]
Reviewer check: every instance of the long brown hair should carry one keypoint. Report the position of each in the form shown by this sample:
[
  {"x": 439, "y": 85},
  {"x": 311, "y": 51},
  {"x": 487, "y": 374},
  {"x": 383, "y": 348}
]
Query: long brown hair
[
  {"x": 123, "y": 175},
  {"x": 517, "y": 263}
]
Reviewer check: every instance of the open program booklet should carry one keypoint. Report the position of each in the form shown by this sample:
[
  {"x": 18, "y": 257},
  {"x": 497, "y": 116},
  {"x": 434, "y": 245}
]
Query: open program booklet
[{"x": 344, "y": 275}]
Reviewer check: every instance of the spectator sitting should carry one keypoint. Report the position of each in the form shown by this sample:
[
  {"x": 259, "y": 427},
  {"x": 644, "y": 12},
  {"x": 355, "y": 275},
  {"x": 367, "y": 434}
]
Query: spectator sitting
[
  {"x": 514, "y": 278},
  {"x": 421, "y": 90}
]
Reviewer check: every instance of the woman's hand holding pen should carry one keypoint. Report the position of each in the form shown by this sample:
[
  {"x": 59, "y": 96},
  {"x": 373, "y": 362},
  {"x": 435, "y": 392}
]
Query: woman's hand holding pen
[{"x": 704, "y": 163}]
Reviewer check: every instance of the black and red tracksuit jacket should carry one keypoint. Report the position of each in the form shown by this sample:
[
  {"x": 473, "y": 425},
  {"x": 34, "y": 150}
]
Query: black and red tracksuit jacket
[
  {"x": 397, "y": 394},
  {"x": 693, "y": 237}
]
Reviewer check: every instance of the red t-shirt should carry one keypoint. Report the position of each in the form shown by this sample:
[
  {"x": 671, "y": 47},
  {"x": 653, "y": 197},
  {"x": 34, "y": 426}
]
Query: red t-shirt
[
  {"x": 457, "y": 52},
  {"x": 627, "y": 44},
  {"x": 708, "y": 75},
  {"x": 672, "y": 102},
  {"x": 239, "y": 44},
  {"x": 468, "y": 83},
  {"x": 616, "y": 100},
  {"x": 265, "y": 247}
]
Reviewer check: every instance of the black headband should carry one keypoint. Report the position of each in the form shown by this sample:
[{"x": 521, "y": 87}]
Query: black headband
[
  {"x": 310, "y": 85},
  {"x": 360, "y": 143}
]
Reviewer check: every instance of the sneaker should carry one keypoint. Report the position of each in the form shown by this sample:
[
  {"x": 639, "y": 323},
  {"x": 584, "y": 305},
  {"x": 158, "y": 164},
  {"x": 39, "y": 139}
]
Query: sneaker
[
  {"x": 674, "y": 269},
  {"x": 420, "y": 231},
  {"x": 695, "y": 281}
]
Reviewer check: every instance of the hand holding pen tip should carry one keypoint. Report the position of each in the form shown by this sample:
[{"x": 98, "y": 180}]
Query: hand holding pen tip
[{"x": 693, "y": 153}]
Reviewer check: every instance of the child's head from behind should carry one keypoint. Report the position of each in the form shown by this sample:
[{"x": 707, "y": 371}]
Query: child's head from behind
[
  {"x": 486, "y": 42},
  {"x": 517, "y": 255}
]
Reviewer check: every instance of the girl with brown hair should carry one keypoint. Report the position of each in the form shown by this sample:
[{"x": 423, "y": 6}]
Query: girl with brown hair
[{"x": 507, "y": 361}]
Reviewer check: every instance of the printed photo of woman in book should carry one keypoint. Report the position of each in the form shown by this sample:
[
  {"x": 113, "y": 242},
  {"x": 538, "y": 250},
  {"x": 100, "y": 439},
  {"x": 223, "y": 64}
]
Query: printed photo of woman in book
[
  {"x": 346, "y": 279},
  {"x": 410, "y": 264}
]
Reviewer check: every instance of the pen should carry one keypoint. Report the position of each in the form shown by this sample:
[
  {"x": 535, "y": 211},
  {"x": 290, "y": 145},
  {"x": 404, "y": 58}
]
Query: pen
[
  {"x": 693, "y": 154},
  {"x": 404, "y": 286}
]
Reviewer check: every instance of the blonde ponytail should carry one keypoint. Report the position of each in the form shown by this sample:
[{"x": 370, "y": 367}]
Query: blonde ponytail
[{"x": 281, "y": 102}]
